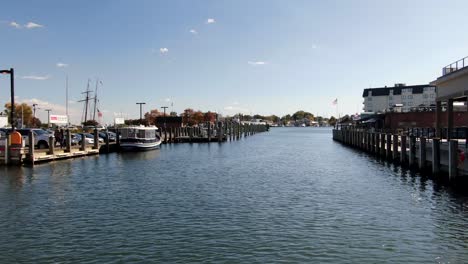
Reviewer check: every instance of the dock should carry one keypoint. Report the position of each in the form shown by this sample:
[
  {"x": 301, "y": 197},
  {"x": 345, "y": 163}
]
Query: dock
[
  {"x": 434, "y": 155},
  {"x": 27, "y": 154}
]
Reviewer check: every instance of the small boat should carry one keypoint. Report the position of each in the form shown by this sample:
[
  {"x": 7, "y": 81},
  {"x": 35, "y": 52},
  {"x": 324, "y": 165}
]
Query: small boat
[{"x": 138, "y": 138}]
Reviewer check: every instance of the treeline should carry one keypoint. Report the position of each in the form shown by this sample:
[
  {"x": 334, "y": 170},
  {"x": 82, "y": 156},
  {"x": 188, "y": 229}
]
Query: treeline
[{"x": 192, "y": 117}]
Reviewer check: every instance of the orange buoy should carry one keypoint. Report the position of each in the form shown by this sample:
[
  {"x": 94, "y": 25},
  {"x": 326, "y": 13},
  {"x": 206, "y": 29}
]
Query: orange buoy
[{"x": 16, "y": 138}]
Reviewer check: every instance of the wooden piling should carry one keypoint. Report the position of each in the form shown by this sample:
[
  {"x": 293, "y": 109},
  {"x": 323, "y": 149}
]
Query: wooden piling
[
  {"x": 395, "y": 147},
  {"x": 388, "y": 148},
  {"x": 68, "y": 141},
  {"x": 30, "y": 147},
  {"x": 377, "y": 143},
  {"x": 422, "y": 153},
  {"x": 453, "y": 159},
  {"x": 382, "y": 145},
  {"x": 412, "y": 151},
  {"x": 83, "y": 142},
  {"x": 435, "y": 156},
  {"x": 403, "y": 150},
  {"x": 107, "y": 142},
  {"x": 96, "y": 139},
  {"x": 51, "y": 146}
]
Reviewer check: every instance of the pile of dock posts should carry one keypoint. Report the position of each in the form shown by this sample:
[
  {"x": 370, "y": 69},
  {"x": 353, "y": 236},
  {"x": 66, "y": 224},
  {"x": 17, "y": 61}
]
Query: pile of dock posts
[
  {"x": 421, "y": 153},
  {"x": 210, "y": 132}
]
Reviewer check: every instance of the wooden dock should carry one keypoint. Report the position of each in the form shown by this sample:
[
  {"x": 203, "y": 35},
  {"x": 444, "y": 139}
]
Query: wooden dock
[
  {"x": 425, "y": 154},
  {"x": 220, "y": 132}
]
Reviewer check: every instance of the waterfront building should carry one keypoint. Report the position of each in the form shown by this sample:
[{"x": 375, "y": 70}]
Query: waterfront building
[
  {"x": 452, "y": 87},
  {"x": 400, "y": 98}
]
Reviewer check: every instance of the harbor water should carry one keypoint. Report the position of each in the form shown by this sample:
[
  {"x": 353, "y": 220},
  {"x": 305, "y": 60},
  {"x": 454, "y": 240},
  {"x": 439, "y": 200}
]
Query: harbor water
[{"x": 290, "y": 195}]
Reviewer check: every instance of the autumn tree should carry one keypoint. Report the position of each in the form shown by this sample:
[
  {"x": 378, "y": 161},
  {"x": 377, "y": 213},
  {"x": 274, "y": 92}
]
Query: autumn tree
[
  {"x": 23, "y": 111},
  {"x": 198, "y": 117},
  {"x": 186, "y": 116},
  {"x": 150, "y": 117},
  {"x": 209, "y": 117}
]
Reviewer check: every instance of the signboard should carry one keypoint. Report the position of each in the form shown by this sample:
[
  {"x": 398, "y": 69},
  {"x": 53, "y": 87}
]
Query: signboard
[
  {"x": 3, "y": 121},
  {"x": 119, "y": 121},
  {"x": 58, "y": 119}
]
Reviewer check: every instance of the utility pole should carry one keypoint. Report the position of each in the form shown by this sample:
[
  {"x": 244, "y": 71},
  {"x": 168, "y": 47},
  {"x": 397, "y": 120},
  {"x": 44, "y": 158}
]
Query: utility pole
[
  {"x": 48, "y": 117},
  {"x": 141, "y": 113},
  {"x": 34, "y": 110},
  {"x": 12, "y": 87},
  {"x": 164, "y": 107}
]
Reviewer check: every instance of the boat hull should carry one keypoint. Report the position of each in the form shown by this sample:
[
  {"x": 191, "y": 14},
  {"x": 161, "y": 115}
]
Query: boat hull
[{"x": 139, "y": 146}]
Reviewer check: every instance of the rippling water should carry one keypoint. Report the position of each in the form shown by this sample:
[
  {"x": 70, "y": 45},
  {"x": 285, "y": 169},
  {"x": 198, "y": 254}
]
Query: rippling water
[{"x": 289, "y": 195}]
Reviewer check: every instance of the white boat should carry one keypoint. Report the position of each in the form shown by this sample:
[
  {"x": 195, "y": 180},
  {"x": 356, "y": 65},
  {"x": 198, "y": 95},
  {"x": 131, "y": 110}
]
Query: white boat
[{"x": 138, "y": 138}]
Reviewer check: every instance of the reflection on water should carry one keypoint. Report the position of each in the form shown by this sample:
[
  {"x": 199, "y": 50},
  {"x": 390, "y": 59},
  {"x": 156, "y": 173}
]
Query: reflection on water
[
  {"x": 141, "y": 155},
  {"x": 290, "y": 195}
]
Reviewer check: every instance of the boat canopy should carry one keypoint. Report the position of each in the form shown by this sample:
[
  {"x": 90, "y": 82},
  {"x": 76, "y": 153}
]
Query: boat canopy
[{"x": 138, "y": 132}]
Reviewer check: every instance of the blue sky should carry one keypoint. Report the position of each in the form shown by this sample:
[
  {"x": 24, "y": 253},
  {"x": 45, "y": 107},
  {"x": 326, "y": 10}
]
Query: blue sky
[{"x": 266, "y": 57}]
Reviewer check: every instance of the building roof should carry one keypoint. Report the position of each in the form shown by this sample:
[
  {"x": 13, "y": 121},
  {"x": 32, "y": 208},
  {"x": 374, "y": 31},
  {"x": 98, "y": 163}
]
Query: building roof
[{"x": 416, "y": 89}]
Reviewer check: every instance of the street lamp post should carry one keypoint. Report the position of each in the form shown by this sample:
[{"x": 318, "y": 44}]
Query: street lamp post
[
  {"x": 164, "y": 107},
  {"x": 48, "y": 117},
  {"x": 12, "y": 87},
  {"x": 141, "y": 113}
]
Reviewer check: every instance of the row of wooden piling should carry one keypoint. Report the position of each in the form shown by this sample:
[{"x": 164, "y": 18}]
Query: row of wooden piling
[
  {"x": 406, "y": 150},
  {"x": 207, "y": 132}
]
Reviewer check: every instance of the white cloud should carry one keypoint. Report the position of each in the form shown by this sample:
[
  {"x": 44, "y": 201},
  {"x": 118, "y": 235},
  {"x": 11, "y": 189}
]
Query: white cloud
[
  {"x": 15, "y": 25},
  {"x": 31, "y": 25},
  {"x": 74, "y": 113},
  {"x": 163, "y": 50},
  {"x": 257, "y": 63},
  {"x": 35, "y": 77},
  {"x": 236, "y": 109},
  {"x": 61, "y": 65},
  {"x": 210, "y": 21},
  {"x": 314, "y": 46},
  {"x": 193, "y": 31}
]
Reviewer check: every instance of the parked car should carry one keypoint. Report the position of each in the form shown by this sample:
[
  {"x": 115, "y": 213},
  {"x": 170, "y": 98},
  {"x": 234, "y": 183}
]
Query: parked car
[
  {"x": 112, "y": 136},
  {"x": 41, "y": 137},
  {"x": 89, "y": 135},
  {"x": 89, "y": 139},
  {"x": 75, "y": 139}
]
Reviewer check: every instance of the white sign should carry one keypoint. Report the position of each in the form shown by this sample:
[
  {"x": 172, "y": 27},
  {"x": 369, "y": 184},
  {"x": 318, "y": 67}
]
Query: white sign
[
  {"x": 119, "y": 121},
  {"x": 58, "y": 119},
  {"x": 3, "y": 121}
]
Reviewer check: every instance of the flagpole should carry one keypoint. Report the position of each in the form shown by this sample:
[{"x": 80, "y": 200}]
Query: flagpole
[{"x": 66, "y": 100}]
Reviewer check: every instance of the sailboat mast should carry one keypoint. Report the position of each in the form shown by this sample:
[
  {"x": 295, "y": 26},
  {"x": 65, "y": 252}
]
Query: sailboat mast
[
  {"x": 86, "y": 100},
  {"x": 95, "y": 100}
]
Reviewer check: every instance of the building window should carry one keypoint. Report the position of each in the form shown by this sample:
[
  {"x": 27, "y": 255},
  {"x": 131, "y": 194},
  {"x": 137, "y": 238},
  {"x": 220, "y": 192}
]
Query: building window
[
  {"x": 425, "y": 96},
  {"x": 403, "y": 97},
  {"x": 410, "y": 97}
]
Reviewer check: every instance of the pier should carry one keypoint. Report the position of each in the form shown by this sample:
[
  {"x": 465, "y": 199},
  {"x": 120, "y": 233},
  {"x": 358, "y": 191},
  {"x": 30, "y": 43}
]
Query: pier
[
  {"x": 429, "y": 154},
  {"x": 19, "y": 154}
]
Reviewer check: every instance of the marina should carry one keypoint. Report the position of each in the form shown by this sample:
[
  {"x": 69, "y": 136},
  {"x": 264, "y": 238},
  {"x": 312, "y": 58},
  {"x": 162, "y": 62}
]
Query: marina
[
  {"x": 128, "y": 139},
  {"x": 242, "y": 200}
]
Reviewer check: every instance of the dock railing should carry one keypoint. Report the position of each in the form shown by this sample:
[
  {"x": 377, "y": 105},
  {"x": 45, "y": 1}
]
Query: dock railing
[{"x": 455, "y": 66}]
